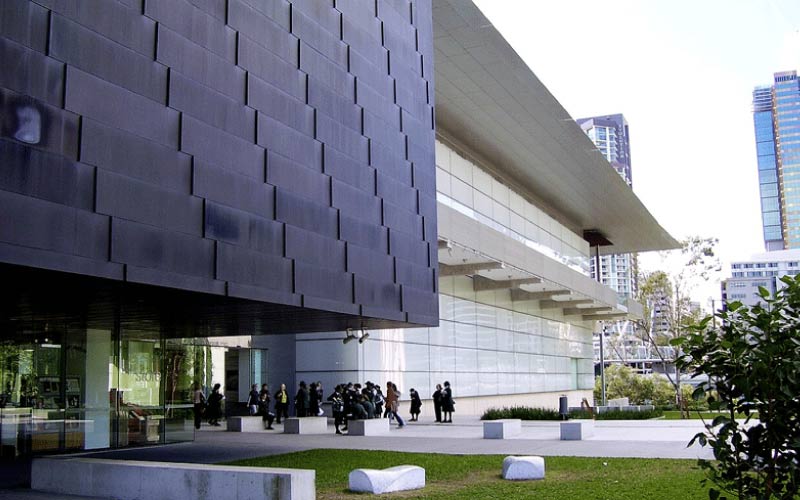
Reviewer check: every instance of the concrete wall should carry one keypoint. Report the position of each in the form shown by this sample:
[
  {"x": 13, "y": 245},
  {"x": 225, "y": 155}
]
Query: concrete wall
[
  {"x": 281, "y": 152},
  {"x": 131, "y": 480}
]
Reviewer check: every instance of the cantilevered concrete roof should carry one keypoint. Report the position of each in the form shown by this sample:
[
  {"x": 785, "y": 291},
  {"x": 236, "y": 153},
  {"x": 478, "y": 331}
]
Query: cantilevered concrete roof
[{"x": 489, "y": 102}]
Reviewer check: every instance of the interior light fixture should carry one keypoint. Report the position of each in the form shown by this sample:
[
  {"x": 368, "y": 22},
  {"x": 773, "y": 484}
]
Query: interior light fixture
[{"x": 364, "y": 336}]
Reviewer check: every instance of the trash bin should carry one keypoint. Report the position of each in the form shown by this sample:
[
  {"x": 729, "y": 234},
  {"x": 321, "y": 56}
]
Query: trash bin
[{"x": 563, "y": 408}]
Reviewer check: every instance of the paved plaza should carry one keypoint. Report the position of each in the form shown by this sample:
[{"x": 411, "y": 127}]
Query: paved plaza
[{"x": 637, "y": 439}]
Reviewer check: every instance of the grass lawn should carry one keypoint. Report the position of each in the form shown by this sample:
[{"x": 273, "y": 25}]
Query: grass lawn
[{"x": 478, "y": 476}]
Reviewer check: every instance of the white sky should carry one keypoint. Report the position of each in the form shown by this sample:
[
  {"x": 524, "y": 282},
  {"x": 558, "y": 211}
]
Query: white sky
[{"x": 682, "y": 72}]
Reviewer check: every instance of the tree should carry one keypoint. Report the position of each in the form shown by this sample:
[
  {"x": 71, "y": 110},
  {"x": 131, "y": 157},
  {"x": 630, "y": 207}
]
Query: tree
[
  {"x": 752, "y": 362},
  {"x": 667, "y": 306}
]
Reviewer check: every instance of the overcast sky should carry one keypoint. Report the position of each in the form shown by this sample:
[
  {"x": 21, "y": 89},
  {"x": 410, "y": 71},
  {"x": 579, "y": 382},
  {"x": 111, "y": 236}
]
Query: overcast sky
[{"x": 682, "y": 72}]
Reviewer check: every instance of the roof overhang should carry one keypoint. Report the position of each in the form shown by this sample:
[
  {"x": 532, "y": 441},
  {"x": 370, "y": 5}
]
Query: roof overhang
[{"x": 490, "y": 105}]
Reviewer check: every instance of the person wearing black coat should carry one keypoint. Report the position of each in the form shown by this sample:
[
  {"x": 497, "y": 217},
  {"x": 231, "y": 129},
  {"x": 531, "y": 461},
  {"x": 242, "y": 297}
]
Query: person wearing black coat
[
  {"x": 314, "y": 401},
  {"x": 301, "y": 400},
  {"x": 214, "y": 410},
  {"x": 337, "y": 406},
  {"x": 448, "y": 405},
  {"x": 416, "y": 405},
  {"x": 437, "y": 402}
]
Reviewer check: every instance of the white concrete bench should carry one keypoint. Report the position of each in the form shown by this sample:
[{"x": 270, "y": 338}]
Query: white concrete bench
[
  {"x": 245, "y": 424},
  {"x": 575, "y": 430},
  {"x": 502, "y": 429},
  {"x": 305, "y": 425},
  {"x": 523, "y": 468},
  {"x": 133, "y": 480},
  {"x": 400, "y": 478},
  {"x": 369, "y": 427}
]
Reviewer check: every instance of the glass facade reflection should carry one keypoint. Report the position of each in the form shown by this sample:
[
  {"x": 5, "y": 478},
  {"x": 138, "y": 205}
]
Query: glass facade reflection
[{"x": 84, "y": 373}]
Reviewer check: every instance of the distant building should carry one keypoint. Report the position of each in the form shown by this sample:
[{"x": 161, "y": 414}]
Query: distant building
[
  {"x": 610, "y": 134},
  {"x": 762, "y": 270},
  {"x": 776, "y": 119}
]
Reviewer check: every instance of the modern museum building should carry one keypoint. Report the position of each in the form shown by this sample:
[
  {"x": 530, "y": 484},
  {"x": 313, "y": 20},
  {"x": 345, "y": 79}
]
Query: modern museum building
[{"x": 230, "y": 191}]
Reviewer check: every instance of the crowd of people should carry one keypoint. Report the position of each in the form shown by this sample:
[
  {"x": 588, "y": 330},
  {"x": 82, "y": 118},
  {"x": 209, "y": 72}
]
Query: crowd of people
[{"x": 348, "y": 402}]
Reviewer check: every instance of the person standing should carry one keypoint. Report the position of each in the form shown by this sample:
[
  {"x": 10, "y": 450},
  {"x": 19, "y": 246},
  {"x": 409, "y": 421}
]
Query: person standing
[
  {"x": 393, "y": 403},
  {"x": 281, "y": 403},
  {"x": 313, "y": 400},
  {"x": 448, "y": 405},
  {"x": 416, "y": 405},
  {"x": 301, "y": 400},
  {"x": 337, "y": 406},
  {"x": 253, "y": 399},
  {"x": 199, "y": 400},
  {"x": 214, "y": 410},
  {"x": 437, "y": 402}
]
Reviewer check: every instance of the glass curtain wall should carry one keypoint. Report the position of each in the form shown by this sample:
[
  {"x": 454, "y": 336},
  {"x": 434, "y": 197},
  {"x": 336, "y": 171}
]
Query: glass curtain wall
[{"x": 67, "y": 387}]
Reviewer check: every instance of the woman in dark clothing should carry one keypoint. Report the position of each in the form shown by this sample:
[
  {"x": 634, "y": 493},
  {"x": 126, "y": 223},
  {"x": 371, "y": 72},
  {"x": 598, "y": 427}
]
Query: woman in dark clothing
[
  {"x": 281, "y": 403},
  {"x": 214, "y": 410},
  {"x": 448, "y": 405},
  {"x": 416, "y": 405},
  {"x": 337, "y": 406},
  {"x": 313, "y": 400},
  {"x": 301, "y": 400},
  {"x": 437, "y": 402}
]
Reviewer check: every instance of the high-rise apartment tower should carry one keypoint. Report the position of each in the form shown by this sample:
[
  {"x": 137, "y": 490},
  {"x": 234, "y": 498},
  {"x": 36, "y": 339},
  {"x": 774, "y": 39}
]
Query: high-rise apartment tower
[{"x": 610, "y": 134}]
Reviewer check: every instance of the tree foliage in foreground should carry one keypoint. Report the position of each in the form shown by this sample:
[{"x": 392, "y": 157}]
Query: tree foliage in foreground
[{"x": 753, "y": 364}]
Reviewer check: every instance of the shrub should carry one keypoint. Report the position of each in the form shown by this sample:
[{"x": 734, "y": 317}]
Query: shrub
[
  {"x": 522, "y": 413},
  {"x": 618, "y": 414},
  {"x": 753, "y": 359}
]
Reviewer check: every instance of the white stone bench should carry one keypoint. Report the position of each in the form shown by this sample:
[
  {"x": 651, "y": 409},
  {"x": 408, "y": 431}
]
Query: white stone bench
[
  {"x": 502, "y": 429},
  {"x": 575, "y": 430},
  {"x": 245, "y": 424},
  {"x": 305, "y": 425},
  {"x": 523, "y": 468},
  {"x": 133, "y": 480},
  {"x": 400, "y": 478},
  {"x": 368, "y": 427}
]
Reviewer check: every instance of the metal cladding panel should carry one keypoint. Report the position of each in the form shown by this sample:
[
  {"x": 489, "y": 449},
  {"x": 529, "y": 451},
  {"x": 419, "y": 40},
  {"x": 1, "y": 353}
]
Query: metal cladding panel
[{"x": 278, "y": 153}]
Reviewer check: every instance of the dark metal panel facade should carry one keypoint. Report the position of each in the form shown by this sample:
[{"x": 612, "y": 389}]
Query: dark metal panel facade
[{"x": 280, "y": 152}]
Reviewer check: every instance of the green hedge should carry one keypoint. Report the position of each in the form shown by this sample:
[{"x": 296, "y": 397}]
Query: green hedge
[
  {"x": 618, "y": 415},
  {"x": 521, "y": 412},
  {"x": 529, "y": 413}
]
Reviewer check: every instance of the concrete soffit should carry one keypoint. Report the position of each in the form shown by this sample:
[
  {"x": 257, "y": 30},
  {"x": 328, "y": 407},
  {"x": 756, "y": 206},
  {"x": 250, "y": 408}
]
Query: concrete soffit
[{"x": 490, "y": 103}]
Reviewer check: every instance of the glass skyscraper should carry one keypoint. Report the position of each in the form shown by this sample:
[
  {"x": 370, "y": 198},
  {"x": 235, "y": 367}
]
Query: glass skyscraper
[{"x": 776, "y": 118}]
